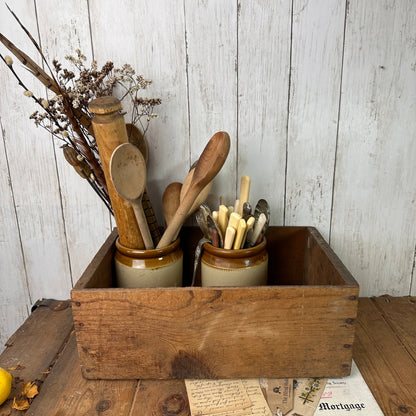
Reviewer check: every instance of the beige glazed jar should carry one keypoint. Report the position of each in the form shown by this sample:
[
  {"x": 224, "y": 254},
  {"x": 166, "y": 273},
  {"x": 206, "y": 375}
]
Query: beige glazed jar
[
  {"x": 148, "y": 268},
  {"x": 244, "y": 267}
]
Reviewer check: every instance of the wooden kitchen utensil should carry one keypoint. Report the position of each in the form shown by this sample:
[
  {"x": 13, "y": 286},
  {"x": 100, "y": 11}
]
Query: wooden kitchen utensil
[
  {"x": 209, "y": 164},
  {"x": 202, "y": 196},
  {"x": 136, "y": 137},
  {"x": 128, "y": 173},
  {"x": 109, "y": 132},
  {"x": 171, "y": 200}
]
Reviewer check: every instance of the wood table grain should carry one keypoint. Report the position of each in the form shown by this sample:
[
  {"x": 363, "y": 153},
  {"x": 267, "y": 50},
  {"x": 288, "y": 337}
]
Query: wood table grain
[{"x": 44, "y": 350}]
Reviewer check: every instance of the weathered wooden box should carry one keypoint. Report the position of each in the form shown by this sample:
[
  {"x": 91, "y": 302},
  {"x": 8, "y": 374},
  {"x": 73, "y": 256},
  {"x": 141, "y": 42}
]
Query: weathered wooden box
[{"x": 301, "y": 324}]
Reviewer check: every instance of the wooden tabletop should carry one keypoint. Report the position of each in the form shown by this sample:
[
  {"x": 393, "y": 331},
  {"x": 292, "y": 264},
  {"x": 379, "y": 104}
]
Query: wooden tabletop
[{"x": 44, "y": 350}]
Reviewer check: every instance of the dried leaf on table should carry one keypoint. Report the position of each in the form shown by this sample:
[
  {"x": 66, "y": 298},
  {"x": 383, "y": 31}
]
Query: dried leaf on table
[
  {"x": 20, "y": 404},
  {"x": 30, "y": 390},
  {"x": 16, "y": 367}
]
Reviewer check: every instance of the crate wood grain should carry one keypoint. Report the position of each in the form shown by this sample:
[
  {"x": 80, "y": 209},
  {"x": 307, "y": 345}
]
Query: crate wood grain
[
  {"x": 301, "y": 324},
  {"x": 384, "y": 351}
]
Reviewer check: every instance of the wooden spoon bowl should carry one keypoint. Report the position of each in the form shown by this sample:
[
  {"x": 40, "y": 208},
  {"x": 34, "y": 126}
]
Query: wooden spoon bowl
[{"x": 128, "y": 174}]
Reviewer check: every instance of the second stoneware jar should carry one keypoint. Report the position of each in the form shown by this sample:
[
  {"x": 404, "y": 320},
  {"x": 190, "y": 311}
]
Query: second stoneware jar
[
  {"x": 243, "y": 267},
  {"x": 148, "y": 268}
]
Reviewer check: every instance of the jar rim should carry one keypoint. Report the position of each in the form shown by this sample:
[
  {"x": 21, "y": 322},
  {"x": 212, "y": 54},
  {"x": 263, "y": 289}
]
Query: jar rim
[
  {"x": 237, "y": 253},
  {"x": 143, "y": 253}
]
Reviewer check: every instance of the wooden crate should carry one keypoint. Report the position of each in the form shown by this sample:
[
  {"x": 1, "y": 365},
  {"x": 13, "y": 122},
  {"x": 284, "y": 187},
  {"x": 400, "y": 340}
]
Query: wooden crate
[{"x": 301, "y": 324}]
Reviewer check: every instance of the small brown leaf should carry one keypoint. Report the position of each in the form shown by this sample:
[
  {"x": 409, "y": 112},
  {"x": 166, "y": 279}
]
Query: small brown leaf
[
  {"x": 33, "y": 391},
  {"x": 26, "y": 387},
  {"x": 16, "y": 367},
  {"x": 20, "y": 404}
]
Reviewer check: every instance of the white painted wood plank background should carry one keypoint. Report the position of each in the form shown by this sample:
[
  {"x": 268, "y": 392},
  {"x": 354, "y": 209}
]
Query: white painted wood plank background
[
  {"x": 374, "y": 216},
  {"x": 264, "y": 38},
  {"x": 318, "y": 97},
  {"x": 316, "y": 64}
]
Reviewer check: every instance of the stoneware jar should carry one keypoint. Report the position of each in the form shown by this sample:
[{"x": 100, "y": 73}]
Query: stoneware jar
[
  {"x": 244, "y": 267},
  {"x": 148, "y": 268}
]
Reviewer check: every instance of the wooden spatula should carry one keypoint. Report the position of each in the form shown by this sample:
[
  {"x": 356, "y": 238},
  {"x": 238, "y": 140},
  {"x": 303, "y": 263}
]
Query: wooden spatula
[{"x": 209, "y": 164}]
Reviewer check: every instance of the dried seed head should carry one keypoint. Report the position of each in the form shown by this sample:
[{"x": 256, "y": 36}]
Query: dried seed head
[
  {"x": 70, "y": 155},
  {"x": 28, "y": 93},
  {"x": 9, "y": 60},
  {"x": 45, "y": 103}
]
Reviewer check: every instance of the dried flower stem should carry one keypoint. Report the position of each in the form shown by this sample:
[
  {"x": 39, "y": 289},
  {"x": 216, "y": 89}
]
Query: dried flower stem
[{"x": 68, "y": 113}]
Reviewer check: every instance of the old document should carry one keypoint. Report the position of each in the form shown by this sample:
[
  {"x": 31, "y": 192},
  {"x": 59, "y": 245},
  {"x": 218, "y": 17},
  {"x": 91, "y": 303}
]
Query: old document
[
  {"x": 226, "y": 398},
  {"x": 208, "y": 397}
]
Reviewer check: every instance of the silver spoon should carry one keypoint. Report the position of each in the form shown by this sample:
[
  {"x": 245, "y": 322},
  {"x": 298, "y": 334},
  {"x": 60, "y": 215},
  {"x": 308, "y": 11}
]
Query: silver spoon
[
  {"x": 202, "y": 222},
  {"x": 246, "y": 210},
  {"x": 263, "y": 207},
  {"x": 213, "y": 227},
  {"x": 198, "y": 252}
]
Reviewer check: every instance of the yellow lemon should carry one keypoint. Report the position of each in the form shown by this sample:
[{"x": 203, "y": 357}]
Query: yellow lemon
[{"x": 5, "y": 385}]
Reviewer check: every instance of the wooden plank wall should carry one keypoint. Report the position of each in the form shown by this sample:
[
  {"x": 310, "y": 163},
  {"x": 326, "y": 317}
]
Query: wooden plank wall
[{"x": 318, "y": 97}]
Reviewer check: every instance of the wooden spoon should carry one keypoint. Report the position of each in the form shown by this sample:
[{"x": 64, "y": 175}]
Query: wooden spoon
[
  {"x": 209, "y": 164},
  {"x": 171, "y": 200},
  {"x": 202, "y": 196},
  {"x": 128, "y": 174},
  {"x": 136, "y": 137}
]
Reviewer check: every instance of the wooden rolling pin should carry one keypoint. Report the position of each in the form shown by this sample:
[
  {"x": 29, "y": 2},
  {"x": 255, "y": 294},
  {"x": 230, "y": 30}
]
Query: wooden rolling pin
[{"x": 109, "y": 132}]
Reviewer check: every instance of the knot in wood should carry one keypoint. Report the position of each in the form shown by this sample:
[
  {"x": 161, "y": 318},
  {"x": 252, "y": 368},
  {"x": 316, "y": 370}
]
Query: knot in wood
[
  {"x": 103, "y": 405},
  {"x": 175, "y": 404}
]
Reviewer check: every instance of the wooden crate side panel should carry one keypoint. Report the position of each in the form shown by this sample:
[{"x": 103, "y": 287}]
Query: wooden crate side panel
[
  {"x": 322, "y": 266},
  {"x": 215, "y": 333},
  {"x": 286, "y": 248},
  {"x": 99, "y": 273},
  {"x": 285, "y": 245}
]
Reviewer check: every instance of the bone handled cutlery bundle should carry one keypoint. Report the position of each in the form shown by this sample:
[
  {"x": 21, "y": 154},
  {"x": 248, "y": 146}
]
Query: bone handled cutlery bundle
[{"x": 235, "y": 226}]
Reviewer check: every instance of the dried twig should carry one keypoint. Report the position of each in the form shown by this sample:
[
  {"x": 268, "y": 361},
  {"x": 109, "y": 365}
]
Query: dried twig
[{"x": 66, "y": 116}]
